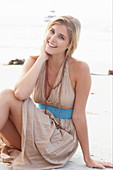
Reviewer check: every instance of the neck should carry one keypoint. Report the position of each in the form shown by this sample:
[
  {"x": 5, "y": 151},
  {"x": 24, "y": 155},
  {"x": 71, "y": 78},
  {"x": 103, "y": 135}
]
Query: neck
[{"x": 55, "y": 62}]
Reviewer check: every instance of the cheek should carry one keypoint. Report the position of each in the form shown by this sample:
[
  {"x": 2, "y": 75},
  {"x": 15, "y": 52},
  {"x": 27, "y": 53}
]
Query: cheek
[
  {"x": 46, "y": 36},
  {"x": 46, "y": 39},
  {"x": 64, "y": 46}
]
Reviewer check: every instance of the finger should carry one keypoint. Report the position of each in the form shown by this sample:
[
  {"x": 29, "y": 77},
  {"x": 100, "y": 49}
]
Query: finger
[
  {"x": 100, "y": 166},
  {"x": 107, "y": 164},
  {"x": 96, "y": 165}
]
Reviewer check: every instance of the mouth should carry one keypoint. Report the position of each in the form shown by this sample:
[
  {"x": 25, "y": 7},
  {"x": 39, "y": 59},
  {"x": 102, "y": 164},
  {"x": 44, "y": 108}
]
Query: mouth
[{"x": 51, "y": 45}]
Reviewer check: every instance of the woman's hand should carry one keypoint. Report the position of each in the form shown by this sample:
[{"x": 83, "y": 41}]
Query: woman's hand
[
  {"x": 98, "y": 164},
  {"x": 43, "y": 53}
]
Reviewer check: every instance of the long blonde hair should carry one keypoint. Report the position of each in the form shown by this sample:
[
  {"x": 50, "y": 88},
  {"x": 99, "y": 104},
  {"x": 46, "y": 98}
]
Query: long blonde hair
[{"x": 73, "y": 26}]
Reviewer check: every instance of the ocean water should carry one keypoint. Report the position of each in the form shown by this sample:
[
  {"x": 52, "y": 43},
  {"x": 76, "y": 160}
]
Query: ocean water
[{"x": 21, "y": 39}]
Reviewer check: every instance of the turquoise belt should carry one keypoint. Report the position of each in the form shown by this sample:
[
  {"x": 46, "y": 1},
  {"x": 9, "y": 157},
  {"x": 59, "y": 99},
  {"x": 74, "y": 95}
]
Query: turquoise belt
[{"x": 64, "y": 113}]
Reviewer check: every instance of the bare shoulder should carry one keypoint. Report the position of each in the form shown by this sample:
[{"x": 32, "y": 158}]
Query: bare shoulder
[
  {"x": 79, "y": 71},
  {"x": 34, "y": 57},
  {"x": 78, "y": 67}
]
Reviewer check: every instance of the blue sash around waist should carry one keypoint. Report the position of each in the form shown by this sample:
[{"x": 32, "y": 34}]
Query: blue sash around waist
[{"x": 64, "y": 113}]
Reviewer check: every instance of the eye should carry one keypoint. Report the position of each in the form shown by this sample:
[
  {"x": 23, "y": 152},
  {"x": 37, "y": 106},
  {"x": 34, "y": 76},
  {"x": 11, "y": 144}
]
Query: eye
[
  {"x": 62, "y": 37},
  {"x": 52, "y": 30}
]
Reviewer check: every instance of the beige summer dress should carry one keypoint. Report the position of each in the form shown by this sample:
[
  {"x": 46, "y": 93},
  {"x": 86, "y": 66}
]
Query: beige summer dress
[{"x": 43, "y": 145}]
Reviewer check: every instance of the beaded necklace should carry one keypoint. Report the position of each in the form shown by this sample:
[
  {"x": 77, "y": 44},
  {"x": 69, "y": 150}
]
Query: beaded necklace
[{"x": 59, "y": 83}]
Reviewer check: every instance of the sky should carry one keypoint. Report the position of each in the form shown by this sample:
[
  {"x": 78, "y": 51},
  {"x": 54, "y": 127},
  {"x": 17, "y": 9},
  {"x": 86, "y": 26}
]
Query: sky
[{"x": 88, "y": 11}]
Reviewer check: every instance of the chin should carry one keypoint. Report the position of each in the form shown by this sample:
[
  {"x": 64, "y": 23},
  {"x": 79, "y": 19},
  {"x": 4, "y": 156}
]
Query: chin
[{"x": 49, "y": 52}]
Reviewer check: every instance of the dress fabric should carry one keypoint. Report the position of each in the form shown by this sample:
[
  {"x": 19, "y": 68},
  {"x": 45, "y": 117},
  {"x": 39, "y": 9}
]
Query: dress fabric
[{"x": 43, "y": 145}]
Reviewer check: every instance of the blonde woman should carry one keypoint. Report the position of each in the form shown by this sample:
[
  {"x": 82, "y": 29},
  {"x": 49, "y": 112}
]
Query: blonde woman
[{"x": 46, "y": 130}]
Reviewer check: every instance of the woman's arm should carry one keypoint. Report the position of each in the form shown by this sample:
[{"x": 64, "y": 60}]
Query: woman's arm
[
  {"x": 79, "y": 117},
  {"x": 83, "y": 84},
  {"x": 30, "y": 72}
]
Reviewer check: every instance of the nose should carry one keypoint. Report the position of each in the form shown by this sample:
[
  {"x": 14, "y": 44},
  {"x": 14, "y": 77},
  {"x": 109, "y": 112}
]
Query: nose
[{"x": 53, "y": 38}]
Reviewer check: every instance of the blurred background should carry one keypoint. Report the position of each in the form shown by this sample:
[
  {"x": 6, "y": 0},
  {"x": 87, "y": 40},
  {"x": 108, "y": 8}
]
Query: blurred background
[{"x": 23, "y": 23}]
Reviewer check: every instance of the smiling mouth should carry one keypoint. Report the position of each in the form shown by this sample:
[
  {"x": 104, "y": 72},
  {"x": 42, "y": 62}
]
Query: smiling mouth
[{"x": 51, "y": 45}]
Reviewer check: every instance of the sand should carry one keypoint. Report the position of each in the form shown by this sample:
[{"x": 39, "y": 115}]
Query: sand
[{"x": 99, "y": 117}]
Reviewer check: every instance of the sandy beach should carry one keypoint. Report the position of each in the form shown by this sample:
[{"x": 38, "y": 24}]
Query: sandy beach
[
  {"x": 22, "y": 28},
  {"x": 99, "y": 117}
]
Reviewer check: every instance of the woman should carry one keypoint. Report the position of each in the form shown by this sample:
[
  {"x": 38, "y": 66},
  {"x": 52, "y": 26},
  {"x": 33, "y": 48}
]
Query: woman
[{"x": 48, "y": 136}]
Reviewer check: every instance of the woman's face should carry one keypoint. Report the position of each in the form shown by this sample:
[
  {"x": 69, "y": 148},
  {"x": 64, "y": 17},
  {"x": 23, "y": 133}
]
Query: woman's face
[{"x": 57, "y": 40}]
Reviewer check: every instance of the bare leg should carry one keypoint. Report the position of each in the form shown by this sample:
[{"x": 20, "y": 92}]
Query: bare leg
[
  {"x": 10, "y": 133},
  {"x": 11, "y": 111}
]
